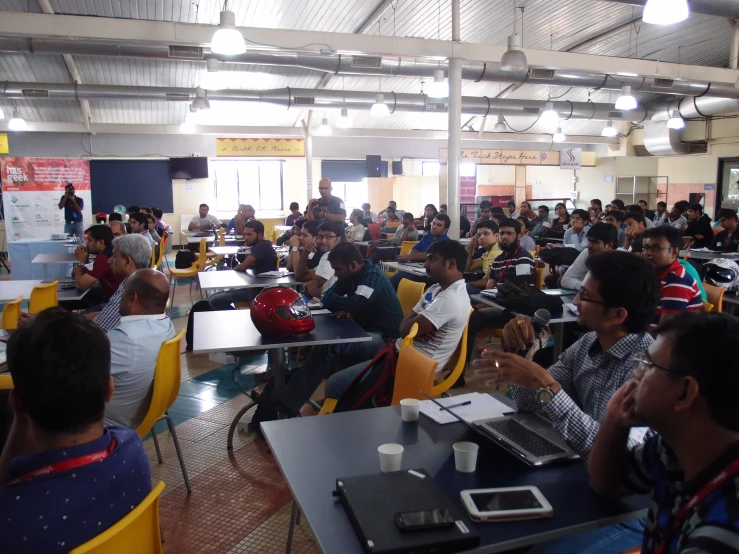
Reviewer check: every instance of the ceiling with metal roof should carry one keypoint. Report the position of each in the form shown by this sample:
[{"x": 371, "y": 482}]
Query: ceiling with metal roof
[{"x": 595, "y": 27}]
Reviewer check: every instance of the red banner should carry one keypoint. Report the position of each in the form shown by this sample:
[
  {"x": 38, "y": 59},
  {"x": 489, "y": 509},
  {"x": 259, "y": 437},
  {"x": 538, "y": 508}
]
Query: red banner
[{"x": 44, "y": 174}]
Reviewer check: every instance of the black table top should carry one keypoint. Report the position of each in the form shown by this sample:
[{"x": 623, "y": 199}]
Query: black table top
[{"x": 313, "y": 452}]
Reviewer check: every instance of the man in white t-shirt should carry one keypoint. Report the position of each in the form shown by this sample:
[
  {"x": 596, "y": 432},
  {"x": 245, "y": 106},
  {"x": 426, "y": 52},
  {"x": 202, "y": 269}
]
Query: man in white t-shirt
[
  {"x": 204, "y": 221},
  {"x": 441, "y": 314},
  {"x": 319, "y": 280}
]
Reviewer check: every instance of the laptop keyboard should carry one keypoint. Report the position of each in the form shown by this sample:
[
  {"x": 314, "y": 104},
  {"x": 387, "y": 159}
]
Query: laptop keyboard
[{"x": 525, "y": 438}]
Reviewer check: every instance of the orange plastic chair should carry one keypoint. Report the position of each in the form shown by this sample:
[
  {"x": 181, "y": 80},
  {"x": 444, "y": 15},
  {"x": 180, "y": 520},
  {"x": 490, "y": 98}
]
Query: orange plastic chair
[
  {"x": 414, "y": 371},
  {"x": 6, "y": 382},
  {"x": 707, "y": 306},
  {"x": 457, "y": 362},
  {"x": 138, "y": 531},
  {"x": 11, "y": 313},
  {"x": 409, "y": 292},
  {"x": 191, "y": 271},
  {"x": 42, "y": 297},
  {"x": 164, "y": 392},
  {"x": 405, "y": 247},
  {"x": 162, "y": 247},
  {"x": 539, "y": 282},
  {"x": 714, "y": 295}
]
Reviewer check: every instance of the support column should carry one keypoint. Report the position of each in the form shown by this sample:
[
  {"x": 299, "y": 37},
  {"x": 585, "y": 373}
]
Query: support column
[
  {"x": 734, "y": 54},
  {"x": 455, "y": 129},
  {"x": 309, "y": 167}
]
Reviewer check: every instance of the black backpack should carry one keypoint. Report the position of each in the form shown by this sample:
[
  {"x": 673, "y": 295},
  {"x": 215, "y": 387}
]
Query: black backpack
[
  {"x": 559, "y": 256},
  {"x": 526, "y": 300},
  {"x": 377, "y": 389},
  {"x": 184, "y": 259}
]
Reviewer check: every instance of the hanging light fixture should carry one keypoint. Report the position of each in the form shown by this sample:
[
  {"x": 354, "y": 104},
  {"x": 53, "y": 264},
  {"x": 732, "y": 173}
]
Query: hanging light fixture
[
  {"x": 549, "y": 115},
  {"x": 379, "y": 108},
  {"x": 665, "y": 12},
  {"x": 609, "y": 130},
  {"x": 325, "y": 128},
  {"x": 213, "y": 78},
  {"x": 17, "y": 123},
  {"x": 500, "y": 127},
  {"x": 626, "y": 101},
  {"x": 676, "y": 121},
  {"x": 514, "y": 59},
  {"x": 227, "y": 41},
  {"x": 344, "y": 121},
  {"x": 559, "y": 136},
  {"x": 201, "y": 100},
  {"x": 439, "y": 88}
]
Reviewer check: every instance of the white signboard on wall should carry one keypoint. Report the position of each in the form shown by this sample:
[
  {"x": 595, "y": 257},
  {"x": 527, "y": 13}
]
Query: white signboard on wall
[{"x": 571, "y": 158}]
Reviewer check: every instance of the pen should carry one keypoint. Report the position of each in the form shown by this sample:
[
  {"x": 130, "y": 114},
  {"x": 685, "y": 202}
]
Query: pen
[{"x": 457, "y": 405}]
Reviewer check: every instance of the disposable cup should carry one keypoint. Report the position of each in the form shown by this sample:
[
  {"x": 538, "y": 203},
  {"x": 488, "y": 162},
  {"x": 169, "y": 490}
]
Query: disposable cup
[
  {"x": 391, "y": 455},
  {"x": 409, "y": 409},
  {"x": 465, "y": 456}
]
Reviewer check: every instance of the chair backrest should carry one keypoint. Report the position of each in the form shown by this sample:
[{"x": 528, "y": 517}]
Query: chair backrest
[
  {"x": 375, "y": 231},
  {"x": 137, "y": 532},
  {"x": 414, "y": 371},
  {"x": 202, "y": 258},
  {"x": 707, "y": 306},
  {"x": 11, "y": 313},
  {"x": 221, "y": 237},
  {"x": 539, "y": 282},
  {"x": 6, "y": 382},
  {"x": 407, "y": 246},
  {"x": 162, "y": 247},
  {"x": 714, "y": 295},
  {"x": 153, "y": 262},
  {"x": 456, "y": 362},
  {"x": 42, "y": 297},
  {"x": 409, "y": 293},
  {"x": 166, "y": 384}
]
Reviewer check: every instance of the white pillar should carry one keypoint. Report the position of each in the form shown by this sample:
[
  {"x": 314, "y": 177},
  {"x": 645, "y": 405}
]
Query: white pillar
[
  {"x": 455, "y": 129},
  {"x": 309, "y": 167},
  {"x": 734, "y": 54}
]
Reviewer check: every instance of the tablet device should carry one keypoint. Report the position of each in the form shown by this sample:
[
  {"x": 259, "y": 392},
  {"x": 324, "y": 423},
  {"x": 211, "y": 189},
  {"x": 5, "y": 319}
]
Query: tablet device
[{"x": 506, "y": 504}]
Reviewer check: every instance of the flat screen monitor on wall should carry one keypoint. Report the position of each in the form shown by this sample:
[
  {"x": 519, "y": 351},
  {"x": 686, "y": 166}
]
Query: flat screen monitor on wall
[
  {"x": 130, "y": 183},
  {"x": 189, "y": 168}
]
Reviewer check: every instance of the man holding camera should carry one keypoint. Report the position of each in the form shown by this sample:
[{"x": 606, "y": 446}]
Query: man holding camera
[
  {"x": 72, "y": 206},
  {"x": 327, "y": 207}
]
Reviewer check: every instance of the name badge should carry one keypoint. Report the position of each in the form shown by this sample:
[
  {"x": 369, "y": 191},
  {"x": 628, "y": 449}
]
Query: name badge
[
  {"x": 523, "y": 269},
  {"x": 546, "y": 224}
]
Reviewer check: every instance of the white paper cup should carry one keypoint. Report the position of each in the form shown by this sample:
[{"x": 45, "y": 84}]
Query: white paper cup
[
  {"x": 391, "y": 455},
  {"x": 465, "y": 456},
  {"x": 409, "y": 409}
]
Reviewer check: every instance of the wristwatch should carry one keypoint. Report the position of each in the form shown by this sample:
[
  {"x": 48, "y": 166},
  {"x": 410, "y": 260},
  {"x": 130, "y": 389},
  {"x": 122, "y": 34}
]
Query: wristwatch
[
  {"x": 295, "y": 249},
  {"x": 545, "y": 395}
]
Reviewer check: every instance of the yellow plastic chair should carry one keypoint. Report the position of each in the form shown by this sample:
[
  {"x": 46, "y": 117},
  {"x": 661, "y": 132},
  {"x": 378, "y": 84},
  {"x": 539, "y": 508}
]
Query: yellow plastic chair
[
  {"x": 162, "y": 248},
  {"x": 707, "y": 306},
  {"x": 405, "y": 247},
  {"x": 42, "y": 297},
  {"x": 191, "y": 271},
  {"x": 137, "y": 532},
  {"x": 6, "y": 382},
  {"x": 457, "y": 363},
  {"x": 414, "y": 371},
  {"x": 409, "y": 292},
  {"x": 164, "y": 392},
  {"x": 714, "y": 295},
  {"x": 11, "y": 313},
  {"x": 539, "y": 282},
  {"x": 214, "y": 259}
]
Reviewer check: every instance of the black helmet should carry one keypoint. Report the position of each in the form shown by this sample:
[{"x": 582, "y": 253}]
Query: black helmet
[{"x": 722, "y": 273}]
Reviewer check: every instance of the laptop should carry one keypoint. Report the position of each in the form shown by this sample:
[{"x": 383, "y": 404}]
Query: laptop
[{"x": 528, "y": 436}]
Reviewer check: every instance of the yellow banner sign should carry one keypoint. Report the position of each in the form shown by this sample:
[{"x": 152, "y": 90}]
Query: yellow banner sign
[
  {"x": 513, "y": 157},
  {"x": 4, "y": 148},
  {"x": 261, "y": 147}
]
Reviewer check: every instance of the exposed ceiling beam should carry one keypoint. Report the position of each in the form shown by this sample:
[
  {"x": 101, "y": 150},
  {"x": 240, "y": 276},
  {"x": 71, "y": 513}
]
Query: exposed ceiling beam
[{"x": 63, "y": 26}]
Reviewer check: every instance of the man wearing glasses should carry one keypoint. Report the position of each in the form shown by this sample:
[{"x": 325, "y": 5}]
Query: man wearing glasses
[
  {"x": 319, "y": 280},
  {"x": 327, "y": 207},
  {"x": 679, "y": 291}
]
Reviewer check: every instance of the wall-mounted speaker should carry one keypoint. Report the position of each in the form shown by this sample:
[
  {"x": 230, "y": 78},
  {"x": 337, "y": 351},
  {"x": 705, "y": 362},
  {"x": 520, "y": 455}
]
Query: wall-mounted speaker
[
  {"x": 398, "y": 168},
  {"x": 374, "y": 166}
]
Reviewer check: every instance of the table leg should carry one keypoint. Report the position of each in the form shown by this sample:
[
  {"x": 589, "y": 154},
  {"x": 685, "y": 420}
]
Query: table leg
[
  {"x": 293, "y": 518},
  {"x": 235, "y": 422}
]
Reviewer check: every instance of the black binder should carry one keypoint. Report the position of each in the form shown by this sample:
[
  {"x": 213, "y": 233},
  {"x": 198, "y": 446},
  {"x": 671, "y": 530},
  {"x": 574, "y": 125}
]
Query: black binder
[{"x": 371, "y": 502}]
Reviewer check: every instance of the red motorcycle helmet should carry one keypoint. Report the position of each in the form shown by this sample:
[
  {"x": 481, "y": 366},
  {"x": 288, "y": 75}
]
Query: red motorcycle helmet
[{"x": 281, "y": 312}]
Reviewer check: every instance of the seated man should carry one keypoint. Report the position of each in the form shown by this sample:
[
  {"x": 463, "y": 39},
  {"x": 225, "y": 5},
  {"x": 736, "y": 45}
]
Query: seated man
[
  {"x": 511, "y": 206},
  {"x": 601, "y": 238},
  {"x": 261, "y": 259},
  {"x": 204, "y": 221},
  {"x": 295, "y": 214},
  {"x": 396, "y": 212},
  {"x": 355, "y": 231},
  {"x": 541, "y": 223},
  {"x": 404, "y": 232},
  {"x": 637, "y": 209},
  {"x": 363, "y": 293},
  {"x": 636, "y": 229},
  {"x": 660, "y": 214},
  {"x": 524, "y": 239},
  {"x": 441, "y": 313},
  {"x": 368, "y": 213},
  {"x": 391, "y": 216},
  {"x": 308, "y": 235},
  {"x": 486, "y": 207},
  {"x": 64, "y": 476},
  {"x": 118, "y": 228},
  {"x": 676, "y": 219},
  {"x": 486, "y": 238},
  {"x": 699, "y": 227},
  {"x": 161, "y": 226},
  {"x": 135, "y": 344},
  {"x": 439, "y": 228},
  {"x": 576, "y": 236},
  {"x": 728, "y": 239},
  {"x": 244, "y": 215},
  {"x": 685, "y": 388},
  {"x": 140, "y": 226},
  {"x": 679, "y": 291},
  {"x": 616, "y": 218},
  {"x": 151, "y": 225},
  {"x": 321, "y": 278},
  {"x": 649, "y": 214},
  {"x": 100, "y": 244}
]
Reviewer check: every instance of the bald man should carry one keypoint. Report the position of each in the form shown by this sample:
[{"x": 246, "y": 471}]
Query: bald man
[
  {"x": 134, "y": 346},
  {"x": 118, "y": 228},
  {"x": 327, "y": 207}
]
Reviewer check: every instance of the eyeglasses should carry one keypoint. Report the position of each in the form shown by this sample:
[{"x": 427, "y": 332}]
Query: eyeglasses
[
  {"x": 642, "y": 361},
  {"x": 586, "y": 299},
  {"x": 656, "y": 248},
  {"x": 327, "y": 237}
]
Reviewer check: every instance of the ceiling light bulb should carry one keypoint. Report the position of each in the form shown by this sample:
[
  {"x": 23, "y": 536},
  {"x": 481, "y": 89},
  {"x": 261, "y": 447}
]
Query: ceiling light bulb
[
  {"x": 325, "y": 128},
  {"x": 549, "y": 115},
  {"x": 626, "y": 101},
  {"x": 559, "y": 136},
  {"x": 191, "y": 116},
  {"x": 17, "y": 123},
  {"x": 379, "y": 108},
  {"x": 500, "y": 127},
  {"x": 213, "y": 78},
  {"x": 344, "y": 121},
  {"x": 609, "y": 130},
  {"x": 187, "y": 127},
  {"x": 2, "y": 114},
  {"x": 200, "y": 101},
  {"x": 227, "y": 41},
  {"x": 676, "y": 121},
  {"x": 439, "y": 88},
  {"x": 514, "y": 59},
  {"x": 665, "y": 12}
]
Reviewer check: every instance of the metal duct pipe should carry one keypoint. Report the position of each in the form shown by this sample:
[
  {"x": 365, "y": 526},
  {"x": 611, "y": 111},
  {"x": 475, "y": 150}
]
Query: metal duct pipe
[
  {"x": 692, "y": 107},
  {"x": 368, "y": 65},
  {"x": 719, "y": 8}
]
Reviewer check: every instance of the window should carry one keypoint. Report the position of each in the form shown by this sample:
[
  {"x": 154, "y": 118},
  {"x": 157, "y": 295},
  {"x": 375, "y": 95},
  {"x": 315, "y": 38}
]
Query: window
[
  {"x": 258, "y": 183},
  {"x": 466, "y": 169},
  {"x": 353, "y": 194}
]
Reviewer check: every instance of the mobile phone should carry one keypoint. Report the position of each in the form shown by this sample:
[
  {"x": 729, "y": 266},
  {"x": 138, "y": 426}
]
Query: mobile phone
[
  {"x": 506, "y": 504},
  {"x": 424, "y": 519}
]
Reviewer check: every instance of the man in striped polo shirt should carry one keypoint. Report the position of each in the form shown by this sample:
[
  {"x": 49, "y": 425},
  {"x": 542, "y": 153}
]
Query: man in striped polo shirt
[{"x": 679, "y": 291}]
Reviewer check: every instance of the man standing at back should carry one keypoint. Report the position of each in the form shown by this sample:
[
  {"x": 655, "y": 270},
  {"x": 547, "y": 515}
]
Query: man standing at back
[
  {"x": 328, "y": 207},
  {"x": 135, "y": 344},
  {"x": 64, "y": 476},
  {"x": 72, "y": 206}
]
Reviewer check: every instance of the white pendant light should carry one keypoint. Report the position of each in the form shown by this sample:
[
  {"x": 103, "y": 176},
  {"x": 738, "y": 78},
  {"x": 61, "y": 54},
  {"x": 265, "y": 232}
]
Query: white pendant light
[
  {"x": 379, "y": 108},
  {"x": 665, "y": 12},
  {"x": 213, "y": 78},
  {"x": 439, "y": 88},
  {"x": 609, "y": 130},
  {"x": 500, "y": 127},
  {"x": 325, "y": 128},
  {"x": 676, "y": 121},
  {"x": 514, "y": 59},
  {"x": 17, "y": 123},
  {"x": 559, "y": 136},
  {"x": 227, "y": 41},
  {"x": 2, "y": 114},
  {"x": 344, "y": 121},
  {"x": 549, "y": 115},
  {"x": 626, "y": 101},
  {"x": 201, "y": 100}
]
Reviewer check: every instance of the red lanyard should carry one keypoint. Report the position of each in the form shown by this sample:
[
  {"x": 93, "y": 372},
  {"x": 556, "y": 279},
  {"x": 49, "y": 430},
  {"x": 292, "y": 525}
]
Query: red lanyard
[
  {"x": 66, "y": 464},
  {"x": 729, "y": 472},
  {"x": 505, "y": 270}
]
